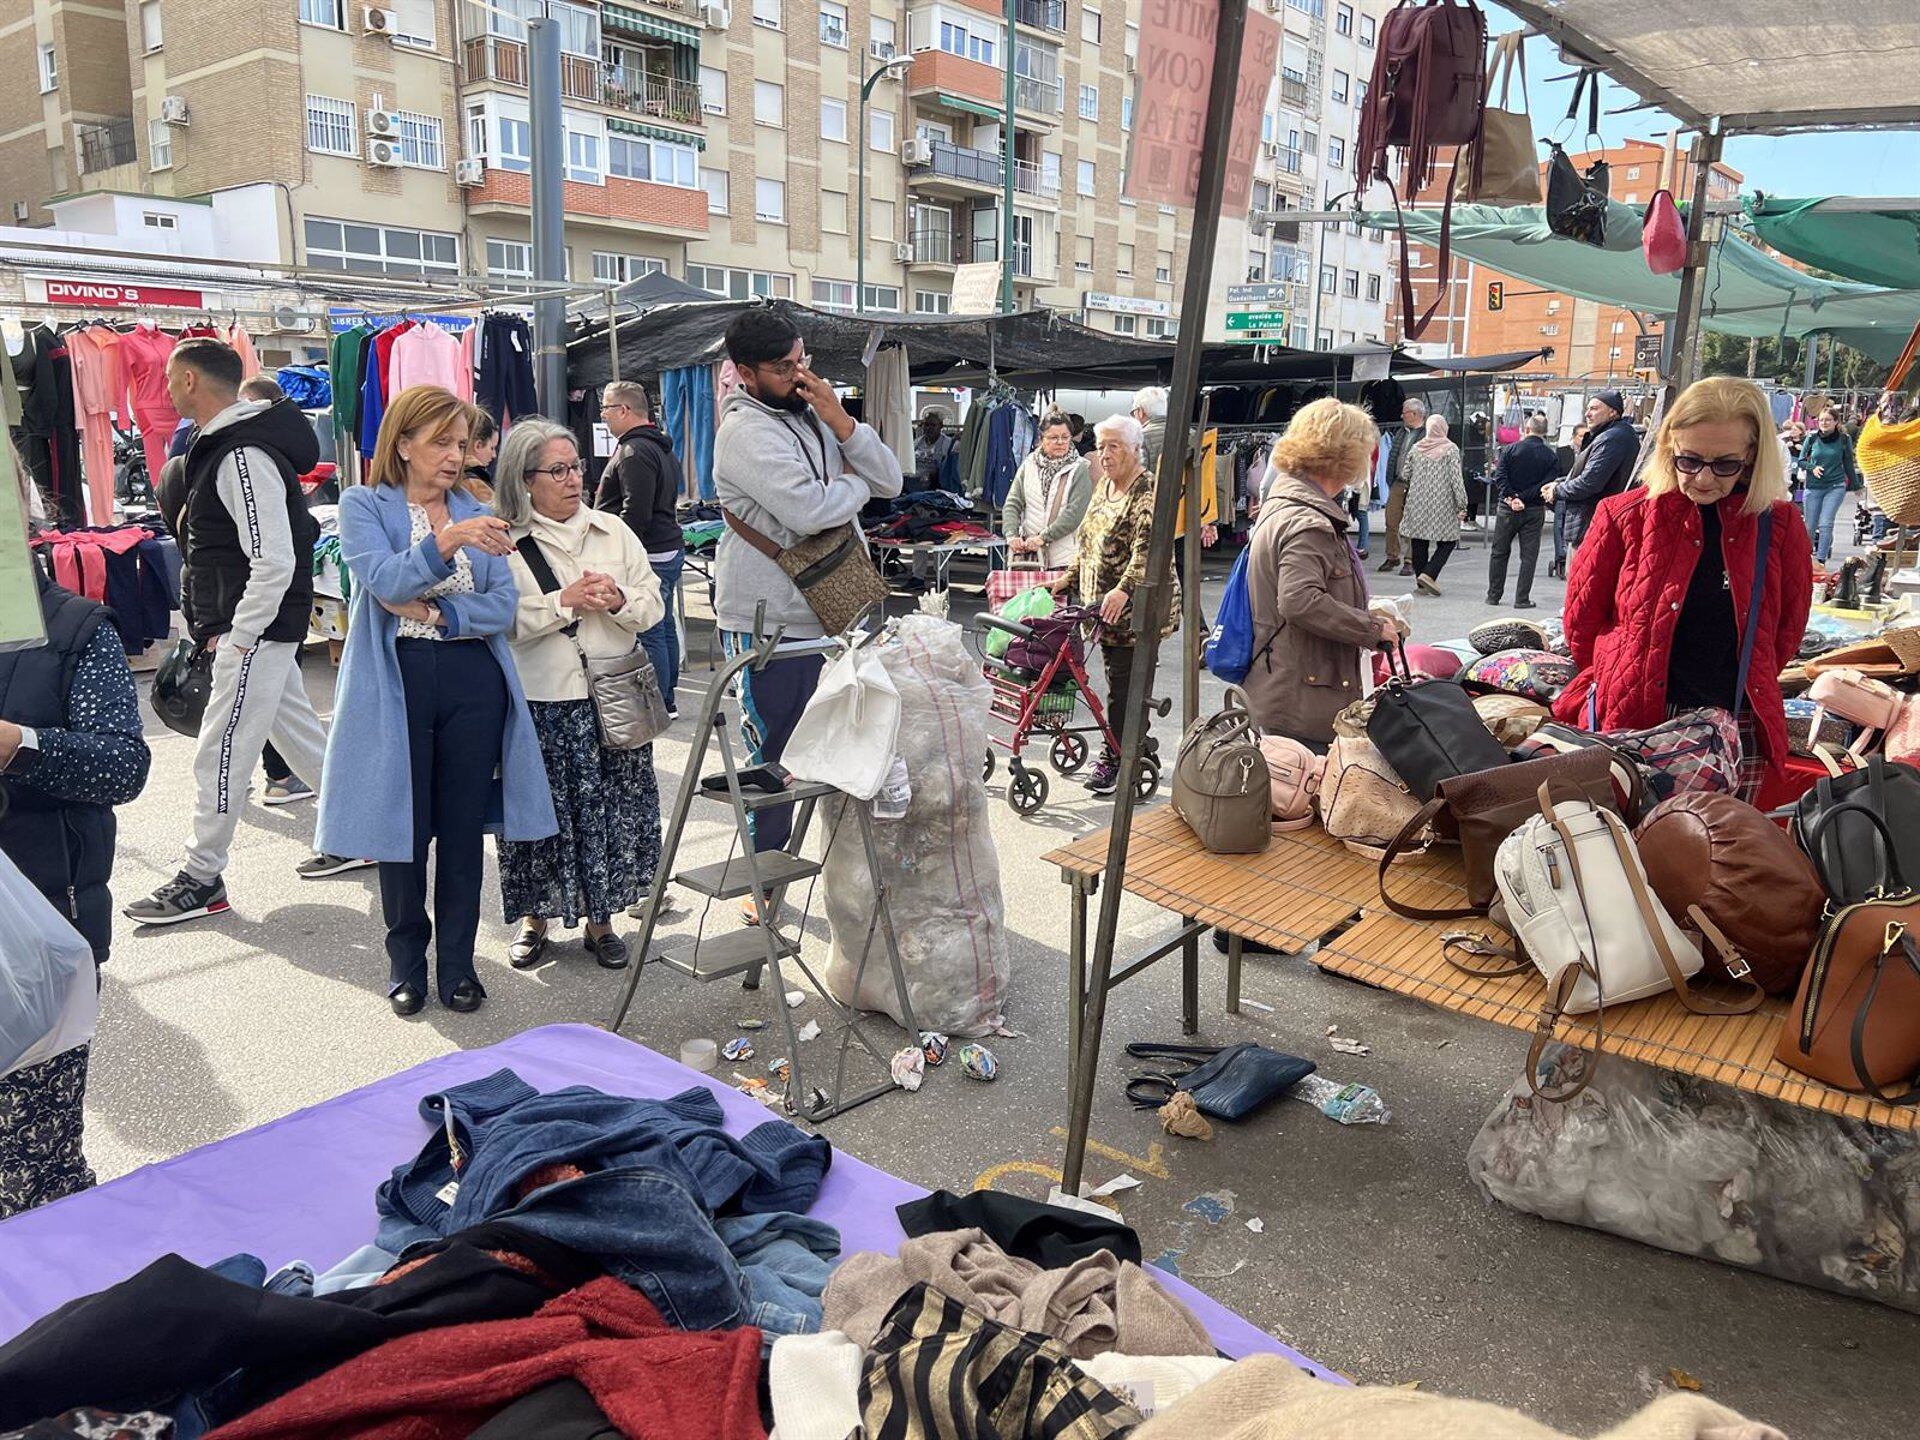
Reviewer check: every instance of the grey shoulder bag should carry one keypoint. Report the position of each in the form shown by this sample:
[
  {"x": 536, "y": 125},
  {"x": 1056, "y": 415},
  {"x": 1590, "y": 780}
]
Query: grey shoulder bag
[{"x": 624, "y": 690}]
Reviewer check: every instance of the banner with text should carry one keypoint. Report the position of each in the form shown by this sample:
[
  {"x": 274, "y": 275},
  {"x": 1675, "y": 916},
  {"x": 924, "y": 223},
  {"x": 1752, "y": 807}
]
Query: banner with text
[{"x": 1170, "y": 110}]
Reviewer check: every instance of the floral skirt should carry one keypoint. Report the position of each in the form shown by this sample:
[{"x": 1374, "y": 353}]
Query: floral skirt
[
  {"x": 40, "y": 1121},
  {"x": 603, "y": 856}
]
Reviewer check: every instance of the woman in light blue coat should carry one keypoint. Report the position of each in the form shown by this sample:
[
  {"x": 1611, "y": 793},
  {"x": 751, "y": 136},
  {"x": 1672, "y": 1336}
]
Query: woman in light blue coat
[{"x": 431, "y": 737}]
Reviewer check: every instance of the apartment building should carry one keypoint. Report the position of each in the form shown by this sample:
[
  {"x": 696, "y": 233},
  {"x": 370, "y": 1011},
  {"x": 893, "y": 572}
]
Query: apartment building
[{"x": 1589, "y": 340}]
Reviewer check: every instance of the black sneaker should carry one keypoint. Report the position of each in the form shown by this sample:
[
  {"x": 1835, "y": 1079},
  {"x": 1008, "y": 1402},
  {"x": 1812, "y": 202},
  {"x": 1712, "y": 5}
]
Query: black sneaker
[
  {"x": 319, "y": 867},
  {"x": 1105, "y": 778},
  {"x": 181, "y": 898}
]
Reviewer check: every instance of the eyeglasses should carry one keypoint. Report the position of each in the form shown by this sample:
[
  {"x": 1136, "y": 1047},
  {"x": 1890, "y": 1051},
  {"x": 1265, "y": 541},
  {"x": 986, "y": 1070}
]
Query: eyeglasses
[
  {"x": 559, "y": 472},
  {"x": 1726, "y": 467},
  {"x": 788, "y": 366}
]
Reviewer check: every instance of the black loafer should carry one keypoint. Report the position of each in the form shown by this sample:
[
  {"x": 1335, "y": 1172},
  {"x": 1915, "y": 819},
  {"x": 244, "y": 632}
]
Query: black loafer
[
  {"x": 609, "y": 950},
  {"x": 467, "y": 997},
  {"x": 407, "y": 1001},
  {"x": 528, "y": 948}
]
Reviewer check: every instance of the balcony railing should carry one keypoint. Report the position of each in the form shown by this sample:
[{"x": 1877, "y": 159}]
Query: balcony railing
[
  {"x": 1293, "y": 89},
  {"x": 1043, "y": 96},
  {"x": 488, "y": 57},
  {"x": 1287, "y": 161},
  {"x": 104, "y": 146},
  {"x": 641, "y": 92},
  {"x": 957, "y": 162},
  {"x": 933, "y": 247},
  {"x": 656, "y": 95},
  {"x": 1042, "y": 14},
  {"x": 1030, "y": 179}
]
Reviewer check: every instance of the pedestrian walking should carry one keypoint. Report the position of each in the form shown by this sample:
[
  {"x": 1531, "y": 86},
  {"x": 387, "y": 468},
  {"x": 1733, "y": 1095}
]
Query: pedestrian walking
[
  {"x": 1400, "y": 442},
  {"x": 1829, "y": 472},
  {"x": 432, "y": 742},
  {"x": 1436, "y": 503},
  {"x": 1522, "y": 472},
  {"x": 588, "y": 591},
  {"x": 641, "y": 483}
]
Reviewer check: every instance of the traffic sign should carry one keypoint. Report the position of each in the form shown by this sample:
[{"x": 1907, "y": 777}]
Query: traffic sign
[
  {"x": 1256, "y": 320},
  {"x": 1270, "y": 292},
  {"x": 1646, "y": 352}
]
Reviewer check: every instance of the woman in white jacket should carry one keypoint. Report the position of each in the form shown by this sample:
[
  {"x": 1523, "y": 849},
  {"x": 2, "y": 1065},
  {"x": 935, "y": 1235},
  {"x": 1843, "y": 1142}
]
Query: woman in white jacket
[
  {"x": 1048, "y": 499},
  {"x": 606, "y": 801}
]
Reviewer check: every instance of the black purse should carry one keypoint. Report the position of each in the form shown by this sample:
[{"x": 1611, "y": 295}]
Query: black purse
[
  {"x": 1430, "y": 732},
  {"x": 1576, "y": 203},
  {"x": 1227, "y": 1082},
  {"x": 1849, "y": 852}
]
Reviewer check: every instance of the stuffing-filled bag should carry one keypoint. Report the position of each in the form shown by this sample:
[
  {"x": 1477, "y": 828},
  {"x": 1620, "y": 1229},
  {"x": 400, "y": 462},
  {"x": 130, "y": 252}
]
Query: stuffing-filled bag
[
  {"x": 1536, "y": 675},
  {"x": 1510, "y": 719},
  {"x": 1363, "y": 804}
]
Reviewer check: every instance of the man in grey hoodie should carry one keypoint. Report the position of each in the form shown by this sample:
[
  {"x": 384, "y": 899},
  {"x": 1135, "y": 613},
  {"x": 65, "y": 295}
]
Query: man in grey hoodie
[{"x": 789, "y": 461}]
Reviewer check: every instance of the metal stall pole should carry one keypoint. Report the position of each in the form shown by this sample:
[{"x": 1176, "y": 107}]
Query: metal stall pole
[
  {"x": 1150, "y": 602},
  {"x": 549, "y": 214},
  {"x": 613, "y": 333},
  {"x": 1190, "y": 636},
  {"x": 1685, "y": 330}
]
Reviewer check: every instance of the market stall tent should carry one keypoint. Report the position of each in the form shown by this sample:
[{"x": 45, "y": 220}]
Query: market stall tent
[{"x": 1876, "y": 242}]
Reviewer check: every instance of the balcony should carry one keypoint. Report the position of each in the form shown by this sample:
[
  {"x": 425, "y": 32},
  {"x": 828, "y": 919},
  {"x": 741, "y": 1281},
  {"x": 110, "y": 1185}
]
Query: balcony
[
  {"x": 1042, "y": 97},
  {"x": 488, "y": 57},
  {"x": 957, "y": 167},
  {"x": 657, "y": 95},
  {"x": 1293, "y": 89},
  {"x": 1030, "y": 179},
  {"x": 636, "y": 91},
  {"x": 1048, "y": 15},
  {"x": 1286, "y": 161},
  {"x": 933, "y": 247},
  {"x": 102, "y": 147}
]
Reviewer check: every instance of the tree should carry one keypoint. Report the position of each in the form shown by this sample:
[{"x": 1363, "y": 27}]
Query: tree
[{"x": 1784, "y": 361}]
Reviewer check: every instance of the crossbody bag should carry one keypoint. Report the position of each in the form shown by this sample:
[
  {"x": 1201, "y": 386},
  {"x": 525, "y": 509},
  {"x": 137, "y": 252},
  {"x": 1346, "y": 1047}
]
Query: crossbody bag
[{"x": 623, "y": 688}]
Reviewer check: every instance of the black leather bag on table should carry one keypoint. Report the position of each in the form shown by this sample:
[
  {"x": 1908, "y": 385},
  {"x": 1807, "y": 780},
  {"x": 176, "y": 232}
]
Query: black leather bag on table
[
  {"x": 1227, "y": 1082},
  {"x": 1430, "y": 732},
  {"x": 1850, "y": 857}
]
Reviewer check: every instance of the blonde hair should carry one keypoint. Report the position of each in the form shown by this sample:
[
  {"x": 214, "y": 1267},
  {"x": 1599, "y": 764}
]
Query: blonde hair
[
  {"x": 1723, "y": 400},
  {"x": 419, "y": 409},
  {"x": 1327, "y": 440}
]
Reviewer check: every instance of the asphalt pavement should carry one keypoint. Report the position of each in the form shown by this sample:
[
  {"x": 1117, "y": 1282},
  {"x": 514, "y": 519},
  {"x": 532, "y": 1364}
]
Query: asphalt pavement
[{"x": 1375, "y": 1254}]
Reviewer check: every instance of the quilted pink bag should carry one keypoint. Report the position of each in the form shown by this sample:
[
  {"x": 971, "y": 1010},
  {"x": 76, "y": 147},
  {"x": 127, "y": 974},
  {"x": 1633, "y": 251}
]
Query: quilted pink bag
[
  {"x": 1293, "y": 772},
  {"x": 1873, "y": 705}
]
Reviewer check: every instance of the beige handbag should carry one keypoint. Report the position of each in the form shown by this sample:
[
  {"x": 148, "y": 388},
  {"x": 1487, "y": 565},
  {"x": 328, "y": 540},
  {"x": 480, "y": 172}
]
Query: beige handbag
[
  {"x": 1363, "y": 804},
  {"x": 1510, "y": 718},
  {"x": 1220, "y": 781},
  {"x": 1509, "y": 162}
]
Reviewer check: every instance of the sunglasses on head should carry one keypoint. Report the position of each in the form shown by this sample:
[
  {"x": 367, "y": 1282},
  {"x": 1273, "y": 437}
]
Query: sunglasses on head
[{"x": 1725, "y": 467}]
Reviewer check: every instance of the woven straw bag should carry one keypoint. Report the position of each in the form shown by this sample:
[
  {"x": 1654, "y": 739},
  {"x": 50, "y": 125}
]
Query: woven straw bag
[{"x": 1889, "y": 450}]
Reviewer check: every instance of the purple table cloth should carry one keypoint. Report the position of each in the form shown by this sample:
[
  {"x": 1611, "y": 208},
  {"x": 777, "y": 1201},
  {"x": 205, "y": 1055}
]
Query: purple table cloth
[{"x": 301, "y": 1187}]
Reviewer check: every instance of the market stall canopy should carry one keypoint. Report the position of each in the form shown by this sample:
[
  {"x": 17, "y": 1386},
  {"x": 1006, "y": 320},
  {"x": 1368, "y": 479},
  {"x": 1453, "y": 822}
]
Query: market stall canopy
[
  {"x": 654, "y": 288},
  {"x": 1747, "y": 292},
  {"x": 1756, "y": 65},
  {"x": 1877, "y": 244}
]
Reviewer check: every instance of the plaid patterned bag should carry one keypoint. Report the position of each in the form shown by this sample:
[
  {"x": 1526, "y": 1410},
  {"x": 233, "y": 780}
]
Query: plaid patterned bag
[
  {"x": 1003, "y": 585},
  {"x": 1693, "y": 752}
]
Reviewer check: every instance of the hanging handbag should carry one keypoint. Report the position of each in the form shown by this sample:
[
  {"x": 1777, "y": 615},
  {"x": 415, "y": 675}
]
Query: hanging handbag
[
  {"x": 1220, "y": 781},
  {"x": 1576, "y": 203},
  {"x": 1293, "y": 781},
  {"x": 1847, "y": 855},
  {"x": 1430, "y": 732},
  {"x": 1855, "y": 1021},
  {"x": 624, "y": 690},
  {"x": 831, "y": 570},
  {"x": 1363, "y": 804},
  {"x": 1663, "y": 235},
  {"x": 1227, "y": 1082},
  {"x": 1889, "y": 448},
  {"x": 1509, "y": 164}
]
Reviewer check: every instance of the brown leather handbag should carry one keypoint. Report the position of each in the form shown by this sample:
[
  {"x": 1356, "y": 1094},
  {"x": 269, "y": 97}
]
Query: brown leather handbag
[
  {"x": 1855, "y": 1022},
  {"x": 1745, "y": 874},
  {"x": 1483, "y": 808}
]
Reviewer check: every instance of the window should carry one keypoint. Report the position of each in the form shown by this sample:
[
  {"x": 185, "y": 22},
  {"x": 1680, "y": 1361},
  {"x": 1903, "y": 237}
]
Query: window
[
  {"x": 612, "y": 269},
  {"x": 769, "y": 103},
  {"x": 1083, "y": 177},
  {"x": 1346, "y": 337},
  {"x": 833, "y": 120},
  {"x": 1090, "y": 24},
  {"x": 880, "y": 219},
  {"x": 516, "y": 145},
  {"x": 770, "y": 200},
  {"x": 1083, "y": 254},
  {"x": 716, "y": 184},
  {"x": 380, "y": 249},
  {"x": 1262, "y": 197},
  {"x": 1630, "y": 198},
  {"x": 1308, "y": 144},
  {"x": 159, "y": 220},
  {"x": 421, "y": 145},
  {"x": 1373, "y": 287},
  {"x": 330, "y": 13},
  {"x": 1366, "y": 32},
  {"x": 509, "y": 260},
  {"x": 584, "y": 149},
  {"x": 1123, "y": 260},
  {"x": 1308, "y": 7},
  {"x": 159, "y": 145},
  {"x": 880, "y": 130},
  {"x": 979, "y": 42},
  {"x": 1163, "y": 267},
  {"x": 1549, "y": 329},
  {"x": 1336, "y": 152},
  {"x": 1350, "y": 284},
  {"x": 1126, "y": 112},
  {"x": 882, "y": 297},
  {"x": 767, "y": 13},
  {"x": 150, "y": 36},
  {"x": 833, "y": 25},
  {"x": 330, "y": 126},
  {"x": 713, "y": 90},
  {"x": 49, "y": 69},
  {"x": 833, "y": 294},
  {"x": 932, "y": 302},
  {"x": 1343, "y": 20},
  {"x": 1359, "y": 93},
  {"x": 1341, "y": 83},
  {"x": 1157, "y": 328},
  {"x": 1125, "y": 325},
  {"x": 1553, "y": 307},
  {"x": 1614, "y": 353},
  {"x": 1089, "y": 103},
  {"x": 660, "y": 161},
  {"x": 880, "y": 38},
  {"x": 739, "y": 284},
  {"x": 1329, "y": 279},
  {"x": 833, "y": 211},
  {"x": 1619, "y": 327},
  {"x": 1323, "y": 340},
  {"x": 1633, "y": 172}
]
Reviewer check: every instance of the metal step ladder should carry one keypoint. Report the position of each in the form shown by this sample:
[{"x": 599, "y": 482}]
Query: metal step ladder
[{"x": 753, "y": 950}]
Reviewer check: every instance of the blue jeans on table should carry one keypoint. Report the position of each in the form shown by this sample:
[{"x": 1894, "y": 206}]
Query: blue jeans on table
[
  {"x": 662, "y": 642},
  {"x": 1822, "y": 509}
]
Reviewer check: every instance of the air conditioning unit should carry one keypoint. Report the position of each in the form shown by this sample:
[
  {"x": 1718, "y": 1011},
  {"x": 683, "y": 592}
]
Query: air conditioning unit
[
  {"x": 375, "y": 21},
  {"x": 383, "y": 153},
  {"x": 289, "y": 321},
  {"x": 716, "y": 14},
  {"x": 881, "y": 49},
  {"x": 918, "y": 150},
  {"x": 20, "y": 211},
  {"x": 1271, "y": 149},
  {"x": 173, "y": 110},
  {"x": 471, "y": 171},
  {"x": 903, "y": 251},
  {"x": 383, "y": 124}
]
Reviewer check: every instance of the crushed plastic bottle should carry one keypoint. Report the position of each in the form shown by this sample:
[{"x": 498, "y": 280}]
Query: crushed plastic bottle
[
  {"x": 1354, "y": 1104},
  {"x": 896, "y": 795}
]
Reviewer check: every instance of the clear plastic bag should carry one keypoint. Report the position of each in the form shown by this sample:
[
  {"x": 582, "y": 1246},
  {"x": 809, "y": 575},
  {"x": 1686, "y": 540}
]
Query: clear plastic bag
[
  {"x": 48, "y": 998},
  {"x": 939, "y": 863},
  {"x": 1706, "y": 1170}
]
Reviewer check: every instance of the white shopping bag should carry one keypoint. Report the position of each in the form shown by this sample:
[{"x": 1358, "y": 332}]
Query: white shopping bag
[
  {"x": 846, "y": 735},
  {"x": 48, "y": 998}
]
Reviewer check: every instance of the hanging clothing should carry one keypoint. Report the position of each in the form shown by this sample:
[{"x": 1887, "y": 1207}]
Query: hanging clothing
[
  {"x": 425, "y": 355},
  {"x": 99, "y": 385},
  {"x": 383, "y": 344},
  {"x": 1003, "y": 455},
  {"x": 343, "y": 363},
  {"x": 890, "y": 402},
  {"x": 505, "y": 390},
  {"x": 469, "y": 360},
  {"x": 686, "y": 414},
  {"x": 145, "y": 350},
  {"x": 242, "y": 343},
  {"x": 48, "y": 418},
  {"x": 373, "y": 405}
]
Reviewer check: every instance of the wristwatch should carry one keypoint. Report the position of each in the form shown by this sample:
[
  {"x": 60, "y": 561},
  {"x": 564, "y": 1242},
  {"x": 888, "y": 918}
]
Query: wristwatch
[{"x": 26, "y": 754}]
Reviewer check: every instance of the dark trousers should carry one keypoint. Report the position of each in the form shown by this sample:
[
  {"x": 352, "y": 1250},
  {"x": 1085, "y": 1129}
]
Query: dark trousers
[
  {"x": 270, "y": 761},
  {"x": 505, "y": 387},
  {"x": 1560, "y": 533},
  {"x": 771, "y": 701},
  {"x": 1118, "y": 660},
  {"x": 662, "y": 642},
  {"x": 456, "y": 721},
  {"x": 1507, "y": 525},
  {"x": 1429, "y": 559}
]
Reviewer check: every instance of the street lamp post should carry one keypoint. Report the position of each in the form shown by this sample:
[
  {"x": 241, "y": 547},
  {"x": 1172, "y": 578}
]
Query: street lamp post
[{"x": 889, "y": 67}]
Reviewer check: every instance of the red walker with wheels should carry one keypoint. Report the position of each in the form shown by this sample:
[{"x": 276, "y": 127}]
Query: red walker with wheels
[{"x": 1038, "y": 690}]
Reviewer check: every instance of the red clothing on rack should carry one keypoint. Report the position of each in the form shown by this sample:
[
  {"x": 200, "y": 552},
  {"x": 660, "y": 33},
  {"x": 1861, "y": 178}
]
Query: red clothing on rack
[
  {"x": 146, "y": 348},
  {"x": 383, "y": 355}
]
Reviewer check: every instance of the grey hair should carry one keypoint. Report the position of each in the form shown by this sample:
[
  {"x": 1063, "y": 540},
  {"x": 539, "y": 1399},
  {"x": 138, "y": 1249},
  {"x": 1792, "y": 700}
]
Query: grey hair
[
  {"x": 1537, "y": 423},
  {"x": 628, "y": 392},
  {"x": 1130, "y": 431},
  {"x": 1151, "y": 402},
  {"x": 1416, "y": 402},
  {"x": 512, "y": 495}
]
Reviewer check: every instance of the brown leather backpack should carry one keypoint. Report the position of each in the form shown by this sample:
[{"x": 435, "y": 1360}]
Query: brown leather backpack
[{"x": 1745, "y": 874}]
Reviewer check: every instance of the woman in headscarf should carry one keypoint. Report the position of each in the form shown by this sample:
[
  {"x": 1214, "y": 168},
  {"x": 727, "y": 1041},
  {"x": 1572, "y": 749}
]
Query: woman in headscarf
[{"x": 1436, "y": 503}]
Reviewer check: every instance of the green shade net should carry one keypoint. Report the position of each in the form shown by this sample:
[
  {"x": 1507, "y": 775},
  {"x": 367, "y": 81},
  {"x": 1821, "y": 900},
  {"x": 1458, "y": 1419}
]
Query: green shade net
[
  {"x": 1748, "y": 292},
  {"x": 1878, "y": 247}
]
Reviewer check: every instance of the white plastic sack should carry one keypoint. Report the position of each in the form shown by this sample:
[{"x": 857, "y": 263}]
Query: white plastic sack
[
  {"x": 48, "y": 998},
  {"x": 845, "y": 736},
  {"x": 939, "y": 863}
]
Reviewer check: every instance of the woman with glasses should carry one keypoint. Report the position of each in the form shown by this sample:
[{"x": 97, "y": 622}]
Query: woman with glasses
[
  {"x": 431, "y": 738},
  {"x": 586, "y": 592},
  {"x": 1663, "y": 610}
]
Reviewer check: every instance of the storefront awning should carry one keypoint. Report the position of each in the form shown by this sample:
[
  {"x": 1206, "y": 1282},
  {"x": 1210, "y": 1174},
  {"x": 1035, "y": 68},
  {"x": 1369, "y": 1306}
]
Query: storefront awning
[
  {"x": 620, "y": 126},
  {"x": 1873, "y": 246},
  {"x": 638, "y": 22}
]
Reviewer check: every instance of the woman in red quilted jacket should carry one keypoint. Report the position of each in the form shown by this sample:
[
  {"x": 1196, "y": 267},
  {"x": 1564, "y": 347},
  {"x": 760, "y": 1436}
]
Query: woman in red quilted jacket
[{"x": 1661, "y": 594}]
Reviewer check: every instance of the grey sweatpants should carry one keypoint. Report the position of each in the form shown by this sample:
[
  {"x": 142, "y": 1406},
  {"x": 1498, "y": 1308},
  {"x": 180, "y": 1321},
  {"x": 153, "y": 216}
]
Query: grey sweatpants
[{"x": 257, "y": 696}]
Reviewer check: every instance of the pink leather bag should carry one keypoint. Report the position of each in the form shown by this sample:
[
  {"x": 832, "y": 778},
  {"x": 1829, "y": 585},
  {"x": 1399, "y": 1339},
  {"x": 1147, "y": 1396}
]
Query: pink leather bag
[
  {"x": 1293, "y": 773},
  {"x": 1873, "y": 705},
  {"x": 1663, "y": 235}
]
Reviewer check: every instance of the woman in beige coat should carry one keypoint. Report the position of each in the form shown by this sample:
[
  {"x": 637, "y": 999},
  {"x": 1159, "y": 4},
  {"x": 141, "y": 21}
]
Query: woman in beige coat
[{"x": 1312, "y": 631}]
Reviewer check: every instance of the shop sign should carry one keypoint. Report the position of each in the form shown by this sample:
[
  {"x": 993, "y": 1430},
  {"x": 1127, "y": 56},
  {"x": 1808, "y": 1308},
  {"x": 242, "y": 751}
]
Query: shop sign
[
  {"x": 1127, "y": 304},
  {"x": 1170, "y": 113},
  {"x": 112, "y": 295}
]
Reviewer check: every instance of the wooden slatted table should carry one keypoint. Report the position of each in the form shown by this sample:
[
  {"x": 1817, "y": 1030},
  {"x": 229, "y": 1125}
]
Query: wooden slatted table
[{"x": 1308, "y": 888}]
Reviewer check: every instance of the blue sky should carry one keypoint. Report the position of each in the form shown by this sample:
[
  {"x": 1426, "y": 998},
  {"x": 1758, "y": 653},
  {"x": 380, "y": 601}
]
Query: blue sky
[{"x": 1882, "y": 162}]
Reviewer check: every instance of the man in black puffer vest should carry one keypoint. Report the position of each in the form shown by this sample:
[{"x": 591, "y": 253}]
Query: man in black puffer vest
[{"x": 248, "y": 583}]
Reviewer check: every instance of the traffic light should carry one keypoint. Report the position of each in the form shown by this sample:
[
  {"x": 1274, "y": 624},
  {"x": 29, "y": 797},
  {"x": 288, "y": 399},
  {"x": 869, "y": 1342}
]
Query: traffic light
[{"x": 1496, "y": 295}]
